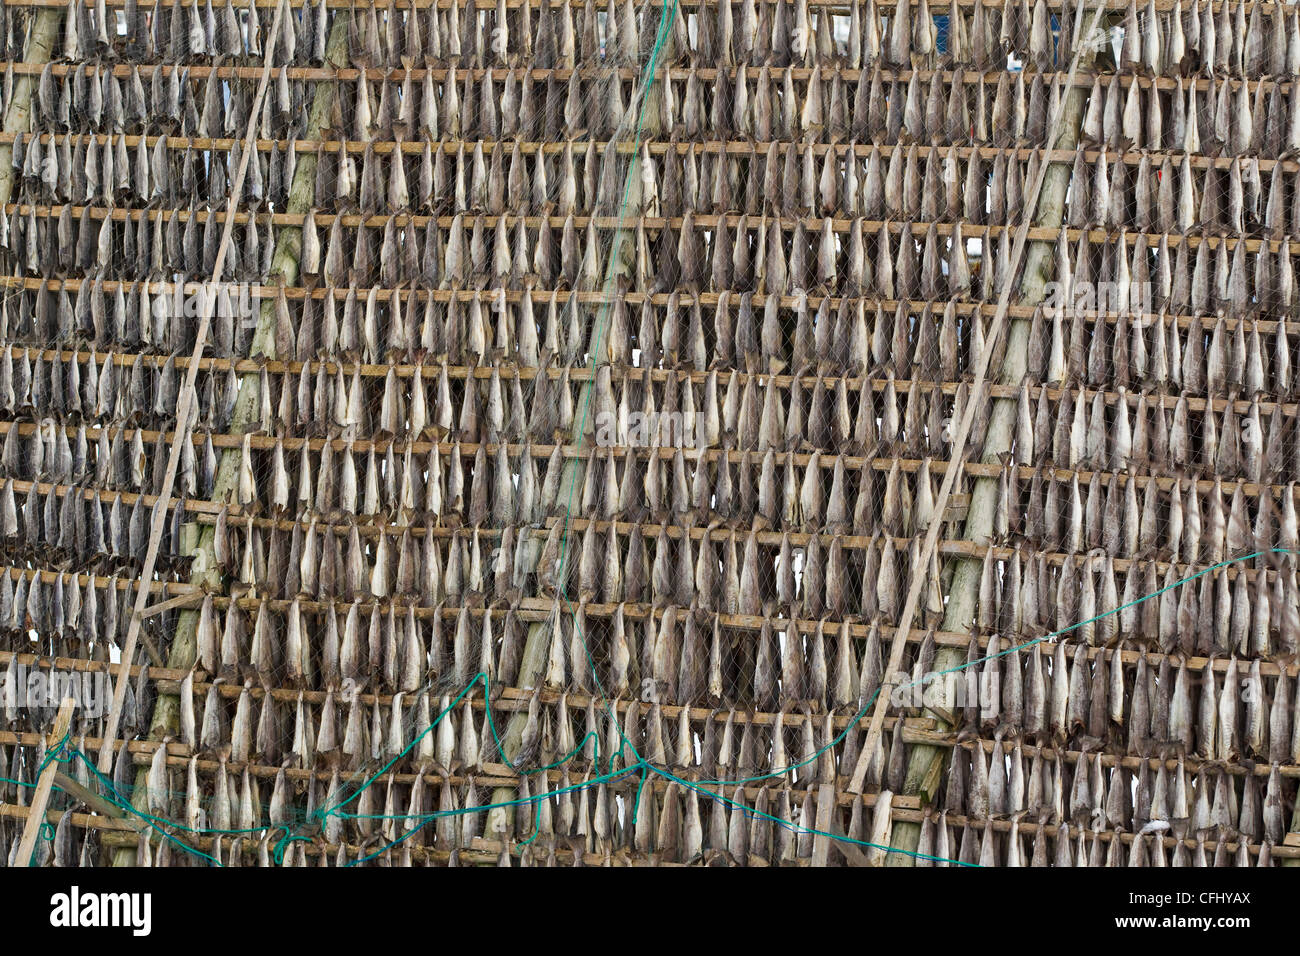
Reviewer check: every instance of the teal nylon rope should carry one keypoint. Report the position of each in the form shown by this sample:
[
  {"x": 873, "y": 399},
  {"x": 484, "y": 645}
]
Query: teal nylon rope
[
  {"x": 641, "y": 764},
  {"x": 665, "y": 26},
  {"x": 700, "y": 786},
  {"x": 63, "y": 753},
  {"x": 1010, "y": 650}
]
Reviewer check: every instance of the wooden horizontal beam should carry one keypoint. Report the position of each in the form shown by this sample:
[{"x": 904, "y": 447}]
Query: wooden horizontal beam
[
  {"x": 702, "y": 222},
  {"x": 881, "y": 463},
  {"x": 739, "y": 149},
  {"x": 540, "y": 609},
  {"x": 440, "y": 71},
  {"x": 634, "y": 299},
  {"x": 877, "y": 383},
  {"x": 483, "y": 851}
]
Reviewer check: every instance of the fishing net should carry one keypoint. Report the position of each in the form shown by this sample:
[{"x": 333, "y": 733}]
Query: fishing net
[{"x": 734, "y": 433}]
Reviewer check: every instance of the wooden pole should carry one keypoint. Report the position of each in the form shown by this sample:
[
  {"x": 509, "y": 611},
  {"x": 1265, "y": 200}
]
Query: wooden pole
[
  {"x": 36, "y": 813},
  {"x": 533, "y": 664},
  {"x": 95, "y": 802},
  {"x": 166, "y": 715},
  {"x": 188, "y": 396},
  {"x": 925, "y": 763},
  {"x": 40, "y": 44}
]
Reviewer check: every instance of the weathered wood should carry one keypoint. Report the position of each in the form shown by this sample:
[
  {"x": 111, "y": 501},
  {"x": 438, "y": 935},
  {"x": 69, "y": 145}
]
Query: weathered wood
[
  {"x": 825, "y": 810},
  {"x": 396, "y": 451},
  {"x": 97, "y": 803},
  {"x": 963, "y": 590},
  {"x": 183, "y": 649},
  {"x": 192, "y": 599},
  {"x": 41, "y": 796},
  {"x": 17, "y": 115}
]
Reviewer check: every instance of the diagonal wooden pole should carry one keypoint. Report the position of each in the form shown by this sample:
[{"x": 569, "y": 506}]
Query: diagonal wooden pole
[
  {"x": 899, "y": 643},
  {"x": 925, "y": 763},
  {"x": 97, "y": 803},
  {"x": 181, "y": 654},
  {"x": 36, "y": 812},
  {"x": 187, "y": 401}
]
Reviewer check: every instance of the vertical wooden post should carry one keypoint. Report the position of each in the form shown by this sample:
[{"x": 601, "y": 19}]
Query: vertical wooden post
[
  {"x": 36, "y": 812},
  {"x": 284, "y": 264},
  {"x": 925, "y": 761},
  {"x": 40, "y": 44},
  {"x": 826, "y": 824},
  {"x": 537, "y": 644},
  {"x": 532, "y": 666}
]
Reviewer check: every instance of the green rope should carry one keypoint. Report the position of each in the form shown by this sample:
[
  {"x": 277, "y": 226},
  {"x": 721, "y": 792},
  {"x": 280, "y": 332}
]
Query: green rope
[
  {"x": 63, "y": 753},
  {"x": 57, "y": 752},
  {"x": 665, "y": 26},
  {"x": 641, "y": 764},
  {"x": 1010, "y": 650}
]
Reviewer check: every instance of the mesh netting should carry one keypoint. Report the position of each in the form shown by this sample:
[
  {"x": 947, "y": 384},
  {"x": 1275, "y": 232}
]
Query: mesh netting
[{"x": 707, "y": 431}]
